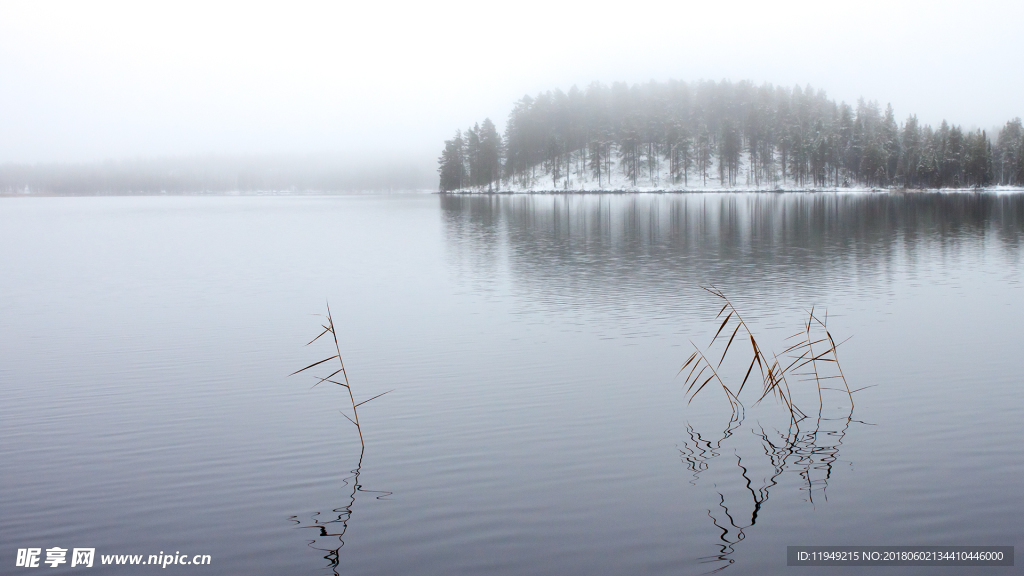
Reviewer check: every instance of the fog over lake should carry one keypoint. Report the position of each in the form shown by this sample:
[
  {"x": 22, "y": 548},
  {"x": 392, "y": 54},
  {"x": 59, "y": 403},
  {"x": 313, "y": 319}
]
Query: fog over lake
[{"x": 120, "y": 81}]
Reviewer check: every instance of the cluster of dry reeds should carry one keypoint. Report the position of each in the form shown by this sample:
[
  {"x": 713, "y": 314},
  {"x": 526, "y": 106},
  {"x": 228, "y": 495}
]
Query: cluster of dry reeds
[
  {"x": 329, "y": 329},
  {"x": 811, "y": 358}
]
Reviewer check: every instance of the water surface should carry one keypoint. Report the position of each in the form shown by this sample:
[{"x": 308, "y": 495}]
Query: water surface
[{"x": 536, "y": 426}]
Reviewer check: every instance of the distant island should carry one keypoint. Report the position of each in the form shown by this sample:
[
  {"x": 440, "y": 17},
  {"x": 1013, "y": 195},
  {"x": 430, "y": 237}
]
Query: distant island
[{"x": 720, "y": 135}]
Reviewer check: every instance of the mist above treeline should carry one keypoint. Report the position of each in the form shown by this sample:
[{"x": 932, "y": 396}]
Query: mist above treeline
[
  {"x": 678, "y": 135},
  {"x": 220, "y": 174}
]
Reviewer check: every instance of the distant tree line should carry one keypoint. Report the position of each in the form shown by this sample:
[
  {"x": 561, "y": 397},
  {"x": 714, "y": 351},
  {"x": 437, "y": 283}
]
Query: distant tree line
[
  {"x": 219, "y": 174},
  {"x": 744, "y": 134}
]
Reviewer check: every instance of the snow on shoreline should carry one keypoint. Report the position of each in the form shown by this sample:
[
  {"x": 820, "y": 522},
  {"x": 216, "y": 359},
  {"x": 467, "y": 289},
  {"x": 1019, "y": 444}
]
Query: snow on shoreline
[
  {"x": 583, "y": 182},
  {"x": 738, "y": 190}
]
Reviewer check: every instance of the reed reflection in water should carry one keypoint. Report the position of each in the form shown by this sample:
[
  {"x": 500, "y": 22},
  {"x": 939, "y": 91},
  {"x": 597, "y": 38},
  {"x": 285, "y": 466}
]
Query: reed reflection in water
[
  {"x": 330, "y": 527},
  {"x": 809, "y": 453}
]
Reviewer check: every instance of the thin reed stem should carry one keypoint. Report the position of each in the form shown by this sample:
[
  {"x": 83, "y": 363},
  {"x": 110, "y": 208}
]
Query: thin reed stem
[
  {"x": 330, "y": 322},
  {"x": 329, "y": 328}
]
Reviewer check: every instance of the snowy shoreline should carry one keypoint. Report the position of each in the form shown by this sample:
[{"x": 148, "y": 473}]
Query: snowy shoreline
[
  {"x": 736, "y": 190},
  {"x": 658, "y": 179}
]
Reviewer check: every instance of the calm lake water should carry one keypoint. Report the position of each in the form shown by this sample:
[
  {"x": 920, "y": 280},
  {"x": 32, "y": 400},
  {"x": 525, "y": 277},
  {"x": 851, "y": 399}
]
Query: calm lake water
[{"x": 536, "y": 424}]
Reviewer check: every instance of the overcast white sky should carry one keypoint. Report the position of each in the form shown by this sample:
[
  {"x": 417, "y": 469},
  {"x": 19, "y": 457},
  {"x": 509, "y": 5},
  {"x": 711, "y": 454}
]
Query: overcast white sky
[{"x": 85, "y": 81}]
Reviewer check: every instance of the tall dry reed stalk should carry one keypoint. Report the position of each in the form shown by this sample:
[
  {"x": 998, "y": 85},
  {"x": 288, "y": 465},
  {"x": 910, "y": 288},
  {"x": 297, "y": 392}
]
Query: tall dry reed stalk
[
  {"x": 329, "y": 329},
  {"x": 815, "y": 346}
]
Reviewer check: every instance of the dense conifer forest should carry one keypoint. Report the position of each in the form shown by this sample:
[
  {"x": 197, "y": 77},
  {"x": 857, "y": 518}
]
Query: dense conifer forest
[{"x": 676, "y": 135}]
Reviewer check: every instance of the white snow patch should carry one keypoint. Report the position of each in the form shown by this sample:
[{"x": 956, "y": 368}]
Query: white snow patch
[{"x": 583, "y": 181}]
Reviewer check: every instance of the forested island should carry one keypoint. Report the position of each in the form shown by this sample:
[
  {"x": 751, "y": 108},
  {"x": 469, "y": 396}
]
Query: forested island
[{"x": 720, "y": 135}]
